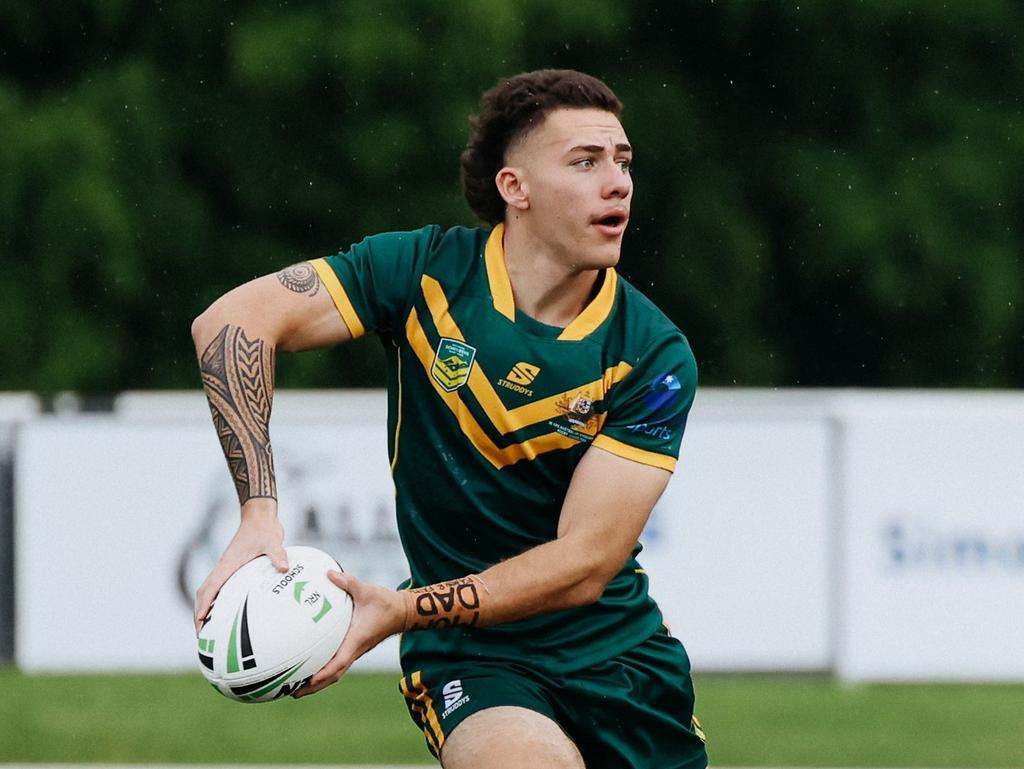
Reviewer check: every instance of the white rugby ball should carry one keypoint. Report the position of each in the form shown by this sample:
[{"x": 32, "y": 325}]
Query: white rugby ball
[{"x": 269, "y": 632}]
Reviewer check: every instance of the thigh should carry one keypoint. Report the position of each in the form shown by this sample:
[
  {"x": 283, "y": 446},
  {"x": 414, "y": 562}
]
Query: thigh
[
  {"x": 509, "y": 738},
  {"x": 485, "y": 708},
  {"x": 635, "y": 711}
]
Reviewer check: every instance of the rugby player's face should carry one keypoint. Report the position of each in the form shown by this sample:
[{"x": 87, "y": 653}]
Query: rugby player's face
[{"x": 576, "y": 174}]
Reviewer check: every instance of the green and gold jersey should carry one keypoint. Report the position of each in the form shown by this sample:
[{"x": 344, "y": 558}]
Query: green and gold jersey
[{"x": 489, "y": 413}]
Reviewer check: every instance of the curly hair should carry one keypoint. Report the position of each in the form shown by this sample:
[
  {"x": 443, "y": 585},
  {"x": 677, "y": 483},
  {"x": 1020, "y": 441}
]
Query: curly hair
[{"x": 508, "y": 111}]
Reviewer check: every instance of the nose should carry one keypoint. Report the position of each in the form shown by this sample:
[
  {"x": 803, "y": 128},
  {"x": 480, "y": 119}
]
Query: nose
[{"x": 617, "y": 183}]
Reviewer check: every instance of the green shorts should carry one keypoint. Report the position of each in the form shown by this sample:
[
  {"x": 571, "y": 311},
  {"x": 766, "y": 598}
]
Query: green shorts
[{"x": 632, "y": 712}]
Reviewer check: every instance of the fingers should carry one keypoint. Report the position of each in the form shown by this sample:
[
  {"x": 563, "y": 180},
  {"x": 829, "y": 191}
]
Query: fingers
[
  {"x": 206, "y": 594},
  {"x": 351, "y": 647},
  {"x": 343, "y": 658},
  {"x": 330, "y": 674},
  {"x": 202, "y": 613},
  {"x": 252, "y": 539},
  {"x": 200, "y": 617}
]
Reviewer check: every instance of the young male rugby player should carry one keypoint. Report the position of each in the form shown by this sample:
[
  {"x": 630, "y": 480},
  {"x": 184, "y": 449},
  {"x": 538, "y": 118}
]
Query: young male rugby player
[{"x": 536, "y": 406}]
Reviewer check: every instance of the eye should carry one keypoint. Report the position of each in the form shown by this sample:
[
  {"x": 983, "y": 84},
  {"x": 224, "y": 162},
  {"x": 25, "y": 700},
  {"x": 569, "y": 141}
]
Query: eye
[
  {"x": 584, "y": 163},
  {"x": 624, "y": 164}
]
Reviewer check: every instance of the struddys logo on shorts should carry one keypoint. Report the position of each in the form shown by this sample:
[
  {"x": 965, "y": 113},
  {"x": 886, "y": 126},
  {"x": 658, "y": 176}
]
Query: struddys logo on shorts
[
  {"x": 452, "y": 363},
  {"x": 454, "y": 697}
]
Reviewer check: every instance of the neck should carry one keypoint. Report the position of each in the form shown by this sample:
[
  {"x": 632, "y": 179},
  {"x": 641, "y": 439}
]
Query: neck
[{"x": 544, "y": 284}]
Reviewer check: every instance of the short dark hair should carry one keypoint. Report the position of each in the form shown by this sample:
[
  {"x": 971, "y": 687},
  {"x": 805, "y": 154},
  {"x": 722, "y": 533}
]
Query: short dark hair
[{"x": 508, "y": 111}]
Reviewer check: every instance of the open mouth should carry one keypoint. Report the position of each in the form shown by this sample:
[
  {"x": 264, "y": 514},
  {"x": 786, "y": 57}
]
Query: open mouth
[{"x": 611, "y": 223}]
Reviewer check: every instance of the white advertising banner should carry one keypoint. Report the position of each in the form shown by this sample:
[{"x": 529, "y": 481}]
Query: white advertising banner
[
  {"x": 933, "y": 532},
  {"x": 877, "y": 534},
  {"x": 738, "y": 548},
  {"x": 119, "y": 521},
  {"x": 17, "y": 407}
]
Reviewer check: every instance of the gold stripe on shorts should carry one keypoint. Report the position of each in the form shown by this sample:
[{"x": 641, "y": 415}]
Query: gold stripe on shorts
[{"x": 416, "y": 692}]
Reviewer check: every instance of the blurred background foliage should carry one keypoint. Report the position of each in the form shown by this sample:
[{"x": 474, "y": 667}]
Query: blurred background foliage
[{"x": 828, "y": 193}]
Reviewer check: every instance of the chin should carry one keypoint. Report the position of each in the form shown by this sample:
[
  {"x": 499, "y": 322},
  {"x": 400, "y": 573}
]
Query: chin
[
  {"x": 601, "y": 258},
  {"x": 592, "y": 261},
  {"x": 593, "y": 255}
]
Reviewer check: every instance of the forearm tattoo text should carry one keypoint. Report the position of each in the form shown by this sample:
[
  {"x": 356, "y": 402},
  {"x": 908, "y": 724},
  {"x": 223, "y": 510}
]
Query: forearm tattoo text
[
  {"x": 454, "y": 603},
  {"x": 238, "y": 375}
]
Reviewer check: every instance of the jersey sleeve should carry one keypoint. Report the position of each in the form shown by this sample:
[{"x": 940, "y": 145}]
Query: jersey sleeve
[
  {"x": 647, "y": 412},
  {"x": 373, "y": 283}
]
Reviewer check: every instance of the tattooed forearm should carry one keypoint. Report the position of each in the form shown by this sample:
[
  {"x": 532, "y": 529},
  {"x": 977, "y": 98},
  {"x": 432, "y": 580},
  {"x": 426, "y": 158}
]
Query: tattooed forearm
[
  {"x": 445, "y": 604},
  {"x": 238, "y": 375},
  {"x": 300, "y": 278}
]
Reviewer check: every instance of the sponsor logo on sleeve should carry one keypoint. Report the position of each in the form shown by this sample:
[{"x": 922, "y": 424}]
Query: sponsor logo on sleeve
[
  {"x": 663, "y": 392},
  {"x": 656, "y": 431}
]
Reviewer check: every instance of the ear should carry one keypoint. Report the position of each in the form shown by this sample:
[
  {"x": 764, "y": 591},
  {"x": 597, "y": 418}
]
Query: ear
[{"x": 513, "y": 188}]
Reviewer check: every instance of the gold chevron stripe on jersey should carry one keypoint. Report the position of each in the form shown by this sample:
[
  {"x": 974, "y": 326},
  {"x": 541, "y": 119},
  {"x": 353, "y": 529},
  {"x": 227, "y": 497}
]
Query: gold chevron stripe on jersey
[
  {"x": 509, "y": 420},
  {"x": 593, "y": 315},
  {"x": 337, "y": 291},
  {"x": 499, "y": 457}
]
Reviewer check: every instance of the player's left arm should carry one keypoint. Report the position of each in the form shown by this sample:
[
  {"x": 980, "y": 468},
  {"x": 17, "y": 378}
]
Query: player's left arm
[
  {"x": 608, "y": 503},
  {"x": 606, "y": 508}
]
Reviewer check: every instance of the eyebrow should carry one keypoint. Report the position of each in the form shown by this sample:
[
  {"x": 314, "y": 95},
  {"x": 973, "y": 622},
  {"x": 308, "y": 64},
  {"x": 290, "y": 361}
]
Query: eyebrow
[{"x": 597, "y": 148}]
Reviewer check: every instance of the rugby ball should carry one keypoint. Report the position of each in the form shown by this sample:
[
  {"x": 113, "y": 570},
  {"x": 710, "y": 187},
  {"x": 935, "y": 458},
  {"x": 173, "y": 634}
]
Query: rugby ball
[{"x": 269, "y": 632}]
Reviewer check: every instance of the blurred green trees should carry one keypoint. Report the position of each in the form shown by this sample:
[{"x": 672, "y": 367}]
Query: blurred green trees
[{"x": 827, "y": 193}]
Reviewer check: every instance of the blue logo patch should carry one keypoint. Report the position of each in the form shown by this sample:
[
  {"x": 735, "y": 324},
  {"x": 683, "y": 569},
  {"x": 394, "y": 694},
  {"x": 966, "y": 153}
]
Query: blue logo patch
[{"x": 664, "y": 390}]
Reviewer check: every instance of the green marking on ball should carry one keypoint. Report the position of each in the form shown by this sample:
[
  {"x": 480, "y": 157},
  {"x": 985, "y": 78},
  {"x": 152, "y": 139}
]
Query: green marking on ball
[{"x": 323, "y": 610}]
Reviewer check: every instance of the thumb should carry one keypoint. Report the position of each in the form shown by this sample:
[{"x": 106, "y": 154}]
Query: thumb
[
  {"x": 344, "y": 580},
  {"x": 278, "y": 557}
]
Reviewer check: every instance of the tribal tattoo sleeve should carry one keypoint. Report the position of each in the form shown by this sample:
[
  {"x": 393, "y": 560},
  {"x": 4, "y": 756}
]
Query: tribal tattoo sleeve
[
  {"x": 238, "y": 375},
  {"x": 300, "y": 278}
]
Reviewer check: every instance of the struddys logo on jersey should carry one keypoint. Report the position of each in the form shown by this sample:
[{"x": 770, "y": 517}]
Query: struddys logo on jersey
[
  {"x": 452, "y": 363},
  {"x": 579, "y": 419}
]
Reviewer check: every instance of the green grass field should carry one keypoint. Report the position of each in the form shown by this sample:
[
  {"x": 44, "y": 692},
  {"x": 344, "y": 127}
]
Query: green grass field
[{"x": 750, "y": 720}]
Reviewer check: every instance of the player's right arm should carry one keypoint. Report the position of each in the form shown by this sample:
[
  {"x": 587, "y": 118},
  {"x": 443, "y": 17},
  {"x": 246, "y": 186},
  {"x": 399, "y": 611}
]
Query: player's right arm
[{"x": 237, "y": 339}]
